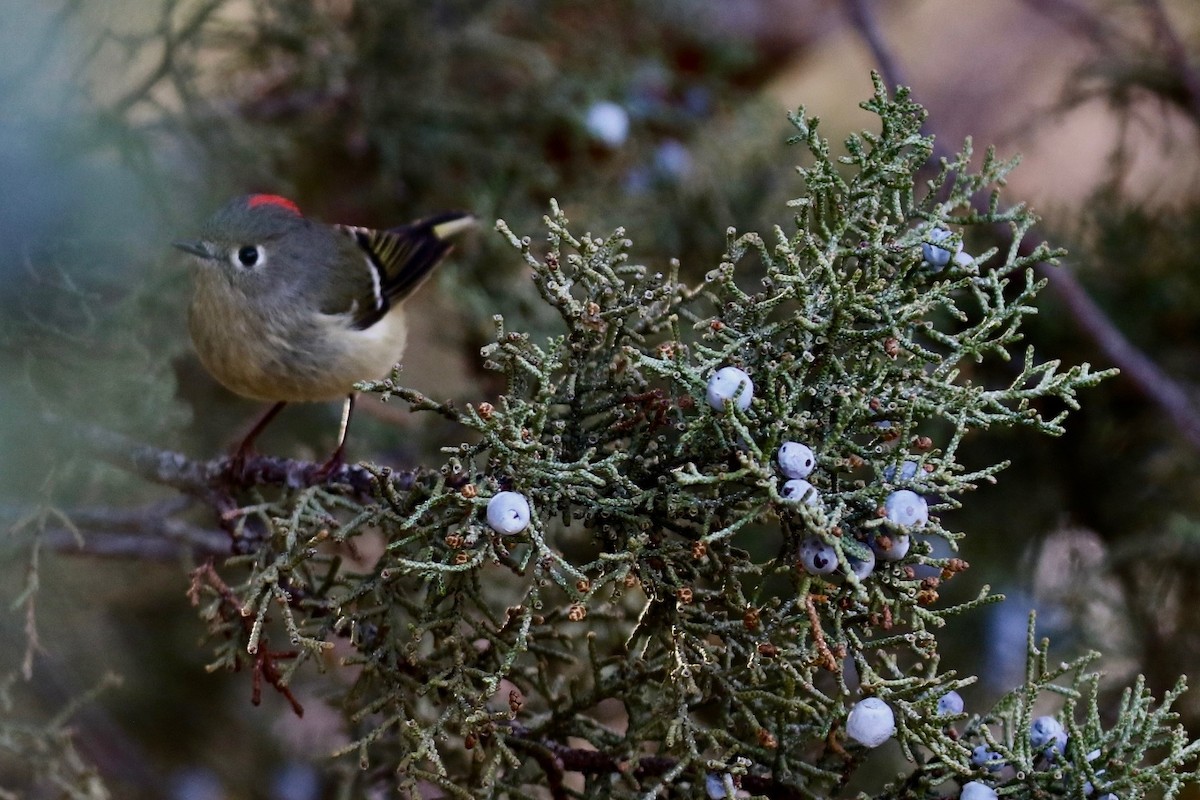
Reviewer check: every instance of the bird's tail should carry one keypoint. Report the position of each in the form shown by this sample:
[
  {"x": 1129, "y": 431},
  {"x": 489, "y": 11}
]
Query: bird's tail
[
  {"x": 401, "y": 258},
  {"x": 449, "y": 224},
  {"x": 408, "y": 253}
]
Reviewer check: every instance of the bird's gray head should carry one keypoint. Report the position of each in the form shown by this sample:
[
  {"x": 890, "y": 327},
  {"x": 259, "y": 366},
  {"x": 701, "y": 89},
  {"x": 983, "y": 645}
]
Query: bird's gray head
[{"x": 254, "y": 242}]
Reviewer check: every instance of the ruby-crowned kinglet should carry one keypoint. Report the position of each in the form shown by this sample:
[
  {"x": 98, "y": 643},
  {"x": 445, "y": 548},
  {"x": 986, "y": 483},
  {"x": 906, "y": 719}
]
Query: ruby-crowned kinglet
[{"x": 289, "y": 309}]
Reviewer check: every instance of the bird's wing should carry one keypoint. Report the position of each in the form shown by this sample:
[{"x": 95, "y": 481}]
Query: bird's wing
[{"x": 399, "y": 259}]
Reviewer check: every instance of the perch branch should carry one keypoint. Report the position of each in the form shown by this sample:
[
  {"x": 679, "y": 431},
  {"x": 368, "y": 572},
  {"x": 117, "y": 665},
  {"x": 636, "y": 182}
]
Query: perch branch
[
  {"x": 202, "y": 479},
  {"x": 213, "y": 482}
]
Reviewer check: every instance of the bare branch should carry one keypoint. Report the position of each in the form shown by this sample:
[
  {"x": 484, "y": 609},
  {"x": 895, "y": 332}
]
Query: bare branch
[
  {"x": 1176, "y": 55},
  {"x": 171, "y": 39},
  {"x": 1155, "y": 384},
  {"x": 1078, "y": 18},
  {"x": 1108, "y": 37},
  {"x": 204, "y": 479},
  {"x": 864, "y": 21}
]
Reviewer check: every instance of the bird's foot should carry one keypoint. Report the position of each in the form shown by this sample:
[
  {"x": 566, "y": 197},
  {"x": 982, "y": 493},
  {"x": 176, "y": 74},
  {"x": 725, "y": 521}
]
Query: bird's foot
[
  {"x": 332, "y": 466},
  {"x": 238, "y": 467}
]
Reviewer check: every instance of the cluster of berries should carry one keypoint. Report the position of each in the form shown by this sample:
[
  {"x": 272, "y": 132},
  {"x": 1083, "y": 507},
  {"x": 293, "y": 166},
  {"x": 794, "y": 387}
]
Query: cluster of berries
[
  {"x": 871, "y": 722},
  {"x": 905, "y": 509}
]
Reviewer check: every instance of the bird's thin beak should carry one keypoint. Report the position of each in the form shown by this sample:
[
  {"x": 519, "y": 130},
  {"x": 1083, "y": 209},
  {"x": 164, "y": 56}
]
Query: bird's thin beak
[{"x": 201, "y": 250}]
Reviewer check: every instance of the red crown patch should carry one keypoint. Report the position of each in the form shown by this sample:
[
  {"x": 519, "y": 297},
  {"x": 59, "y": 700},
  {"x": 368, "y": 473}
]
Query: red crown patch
[{"x": 257, "y": 200}]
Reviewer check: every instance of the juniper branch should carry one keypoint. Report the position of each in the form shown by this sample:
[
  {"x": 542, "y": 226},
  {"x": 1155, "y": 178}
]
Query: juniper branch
[{"x": 1135, "y": 365}]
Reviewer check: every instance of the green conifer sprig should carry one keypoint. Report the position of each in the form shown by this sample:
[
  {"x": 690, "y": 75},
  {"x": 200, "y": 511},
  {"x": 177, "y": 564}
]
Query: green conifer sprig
[
  {"x": 656, "y": 601},
  {"x": 1138, "y": 751}
]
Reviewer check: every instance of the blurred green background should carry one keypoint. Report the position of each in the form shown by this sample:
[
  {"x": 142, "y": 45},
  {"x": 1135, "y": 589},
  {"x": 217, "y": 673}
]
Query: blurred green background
[{"x": 126, "y": 123}]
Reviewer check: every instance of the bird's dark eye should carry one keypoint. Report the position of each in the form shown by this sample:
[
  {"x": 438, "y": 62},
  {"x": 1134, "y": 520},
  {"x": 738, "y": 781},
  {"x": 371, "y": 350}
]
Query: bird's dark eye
[{"x": 248, "y": 256}]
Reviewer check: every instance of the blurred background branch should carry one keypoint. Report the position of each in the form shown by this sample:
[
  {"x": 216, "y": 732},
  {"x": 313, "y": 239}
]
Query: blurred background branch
[{"x": 1177, "y": 402}]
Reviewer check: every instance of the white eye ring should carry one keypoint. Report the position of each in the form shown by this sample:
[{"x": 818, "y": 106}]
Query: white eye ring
[{"x": 248, "y": 257}]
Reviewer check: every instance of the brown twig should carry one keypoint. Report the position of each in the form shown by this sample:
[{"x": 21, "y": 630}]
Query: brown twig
[
  {"x": 827, "y": 659},
  {"x": 551, "y": 764},
  {"x": 265, "y": 659}
]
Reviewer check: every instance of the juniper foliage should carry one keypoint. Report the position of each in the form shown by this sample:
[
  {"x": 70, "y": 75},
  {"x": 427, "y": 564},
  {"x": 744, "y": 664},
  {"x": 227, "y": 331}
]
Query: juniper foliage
[
  {"x": 45, "y": 753},
  {"x": 652, "y": 631}
]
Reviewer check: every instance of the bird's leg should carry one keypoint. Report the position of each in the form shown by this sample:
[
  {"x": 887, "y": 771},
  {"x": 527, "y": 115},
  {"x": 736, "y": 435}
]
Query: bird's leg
[
  {"x": 237, "y": 462},
  {"x": 338, "y": 459}
]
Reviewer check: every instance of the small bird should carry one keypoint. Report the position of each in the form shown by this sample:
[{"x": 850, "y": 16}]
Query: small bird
[{"x": 289, "y": 309}]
